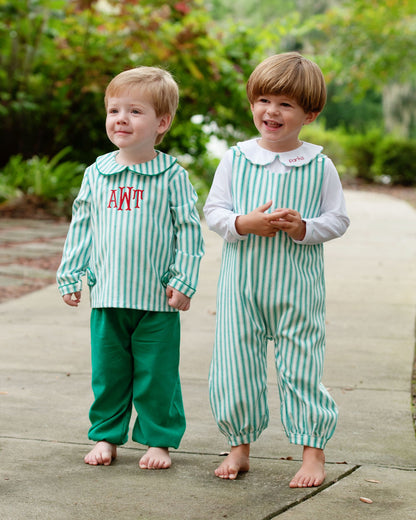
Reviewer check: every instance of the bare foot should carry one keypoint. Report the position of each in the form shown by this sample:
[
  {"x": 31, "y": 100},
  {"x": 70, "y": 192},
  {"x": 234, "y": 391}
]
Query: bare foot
[
  {"x": 312, "y": 472},
  {"x": 102, "y": 454},
  {"x": 156, "y": 458},
  {"x": 237, "y": 461}
]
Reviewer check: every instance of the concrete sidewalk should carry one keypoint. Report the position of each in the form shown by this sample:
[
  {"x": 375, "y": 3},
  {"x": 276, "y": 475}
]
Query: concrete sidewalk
[{"x": 45, "y": 397}]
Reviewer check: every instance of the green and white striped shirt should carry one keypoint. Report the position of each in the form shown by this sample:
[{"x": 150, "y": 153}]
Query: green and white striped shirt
[{"x": 134, "y": 230}]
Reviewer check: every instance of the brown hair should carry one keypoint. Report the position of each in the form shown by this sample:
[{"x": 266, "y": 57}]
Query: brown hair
[
  {"x": 157, "y": 83},
  {"x": 292, "y": 75}
]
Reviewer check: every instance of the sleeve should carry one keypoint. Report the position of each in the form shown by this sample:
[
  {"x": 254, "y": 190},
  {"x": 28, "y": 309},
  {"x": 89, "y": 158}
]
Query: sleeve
[
  {"x": 218, "y": 209},
  {"x": 77, "y": 248},
  {"x": 333, "y": 220},
  {"x": 189, "y": 246}
]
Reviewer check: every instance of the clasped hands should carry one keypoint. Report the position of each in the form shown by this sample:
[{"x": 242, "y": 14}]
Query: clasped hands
[{"x": 265, "y": 224}]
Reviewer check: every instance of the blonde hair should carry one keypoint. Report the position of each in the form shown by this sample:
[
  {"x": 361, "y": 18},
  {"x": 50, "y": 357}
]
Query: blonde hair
[
  {"x": 154, "y": 82},
  {"x": 292, "y": 75}
]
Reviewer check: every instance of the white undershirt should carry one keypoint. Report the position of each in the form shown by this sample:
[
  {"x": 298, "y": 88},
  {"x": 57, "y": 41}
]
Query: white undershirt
[{"x": 333, "y": 220}]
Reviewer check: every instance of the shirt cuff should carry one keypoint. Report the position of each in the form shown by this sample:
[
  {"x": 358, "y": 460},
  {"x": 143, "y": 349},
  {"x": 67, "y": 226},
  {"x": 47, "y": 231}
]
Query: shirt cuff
[
  {"x": 70, "y": 288},
  {"x": 181, "y": 286}
]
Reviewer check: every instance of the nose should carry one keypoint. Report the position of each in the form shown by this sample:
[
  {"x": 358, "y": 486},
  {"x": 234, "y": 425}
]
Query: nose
[
  {"x": 272, "y": 108},
  {"x": 121, "y": 118}
]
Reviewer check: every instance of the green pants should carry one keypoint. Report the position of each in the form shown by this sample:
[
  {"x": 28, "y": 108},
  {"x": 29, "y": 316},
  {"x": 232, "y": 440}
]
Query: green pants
[{"x": 135, "y": 361}]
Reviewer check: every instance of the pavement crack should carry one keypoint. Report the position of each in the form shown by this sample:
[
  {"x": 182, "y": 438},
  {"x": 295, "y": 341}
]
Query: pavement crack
[{"x": 312, "y": 494}]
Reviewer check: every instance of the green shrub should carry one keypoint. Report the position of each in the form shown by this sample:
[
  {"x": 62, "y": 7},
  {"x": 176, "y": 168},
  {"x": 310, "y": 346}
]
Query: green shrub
[
  {"x": 375, "y": 157},
  {"x": 8, "y": 192},
  {"x": 201, "y": 173},
  {"x": 51, "y": 181},
  {"x": 333, "y": 142},
  {"x": 361, "y": 153},
  {"x": 396, "y": 158}
]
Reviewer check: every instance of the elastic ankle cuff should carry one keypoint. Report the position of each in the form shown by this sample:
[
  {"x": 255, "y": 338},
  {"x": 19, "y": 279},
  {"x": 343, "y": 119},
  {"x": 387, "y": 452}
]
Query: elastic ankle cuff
[{"x": 307, "y": 440}]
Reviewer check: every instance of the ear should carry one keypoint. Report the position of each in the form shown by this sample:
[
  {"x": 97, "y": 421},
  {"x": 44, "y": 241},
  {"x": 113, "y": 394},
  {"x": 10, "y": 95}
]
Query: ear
[
  {"x": 310, "y": 117},
  {"x": 164, "y": 123}
]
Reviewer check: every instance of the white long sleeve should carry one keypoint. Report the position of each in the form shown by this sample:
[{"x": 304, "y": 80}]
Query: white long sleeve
[{"x": 332, "y": 222}]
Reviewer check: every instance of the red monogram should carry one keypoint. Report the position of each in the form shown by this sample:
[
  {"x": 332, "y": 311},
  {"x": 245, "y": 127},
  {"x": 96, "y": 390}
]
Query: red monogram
[
  {"x": 296, "y": 159},
  {"x": 129, "y": 197}
]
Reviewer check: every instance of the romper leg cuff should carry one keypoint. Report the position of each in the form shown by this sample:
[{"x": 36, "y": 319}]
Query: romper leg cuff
[
  {"x": 307, "y": 440},
  {"x": 247, "y": 438}
]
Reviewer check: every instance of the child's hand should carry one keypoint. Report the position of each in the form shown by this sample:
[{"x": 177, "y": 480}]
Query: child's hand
[
  {"x": 177, "y": 300},
  {"x": 257, "y": 222},
  {"x": 265, "y": 224},
  {"x": 289, "y": 221},
  {"x": 72, "y": 299}
]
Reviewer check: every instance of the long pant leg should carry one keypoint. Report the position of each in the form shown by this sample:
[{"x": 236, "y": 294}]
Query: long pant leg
[
  {"x": 112, "y": 375},
  {"x": 157, "y": 393},
  {"x": 238, "y": 376},
  {"x": 136, "y": 352},
  {"x": 309, "y": 414}
]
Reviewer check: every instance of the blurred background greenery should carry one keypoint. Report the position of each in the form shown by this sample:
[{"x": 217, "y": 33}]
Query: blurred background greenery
[{"x": 57, "y": 57}]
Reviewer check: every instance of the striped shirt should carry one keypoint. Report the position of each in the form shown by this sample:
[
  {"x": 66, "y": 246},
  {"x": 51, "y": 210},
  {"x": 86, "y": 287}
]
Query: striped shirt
[{"x": 135, "y": 229}]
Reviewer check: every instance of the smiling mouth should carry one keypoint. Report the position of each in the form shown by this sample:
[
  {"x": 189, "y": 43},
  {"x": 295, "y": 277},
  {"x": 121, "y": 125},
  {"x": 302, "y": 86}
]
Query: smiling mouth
[{"x": 272, "y": 124}]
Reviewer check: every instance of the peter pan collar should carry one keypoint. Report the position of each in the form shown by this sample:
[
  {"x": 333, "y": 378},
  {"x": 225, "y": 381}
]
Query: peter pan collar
[
  {"x": 107, "y": 164},
  {"x": 298, "y": 157}
]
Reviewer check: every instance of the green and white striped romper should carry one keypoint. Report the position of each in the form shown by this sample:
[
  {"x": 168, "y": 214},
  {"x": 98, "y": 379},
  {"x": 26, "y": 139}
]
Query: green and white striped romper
[{"x": 272, "y": 289}]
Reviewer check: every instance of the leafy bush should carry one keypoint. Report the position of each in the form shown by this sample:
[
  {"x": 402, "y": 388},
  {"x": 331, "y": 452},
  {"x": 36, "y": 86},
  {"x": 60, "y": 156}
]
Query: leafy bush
[
  {"x": 361, "y": 153},
  {"x": 49, "y": 181},
  {"x": 51, "y": 97},
  {"x": 396, "y": 158},
  {"x": 374, "y": 157},
  {"x": 200, "y": 175},
  {"x": 334, "y": 143},
  {"x": 54, "y": 184}
]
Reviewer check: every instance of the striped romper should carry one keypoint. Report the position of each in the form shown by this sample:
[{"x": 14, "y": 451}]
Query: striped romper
[{"x": 272, "y": 289}]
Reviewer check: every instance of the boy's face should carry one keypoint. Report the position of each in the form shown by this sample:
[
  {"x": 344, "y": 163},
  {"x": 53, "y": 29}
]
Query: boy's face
[
  {"x": 279, "y": 119},
  {"x": 132, "y": 125}
]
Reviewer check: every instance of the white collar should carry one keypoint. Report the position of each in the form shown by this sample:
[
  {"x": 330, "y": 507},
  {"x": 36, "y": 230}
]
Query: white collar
[
  {"x": 298, "y": 157},
  {"x": 107, "y": 164}
]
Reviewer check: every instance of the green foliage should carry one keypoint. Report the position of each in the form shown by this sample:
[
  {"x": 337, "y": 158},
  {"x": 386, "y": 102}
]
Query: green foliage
[
  {"x": 372, "y": 156},
  {"x": 254, "y": 12},
  {"x": 203, "y": 180},
  {"x": 396, "y": 158},
  {"x": 55, "y": 182},
  {"x": 62, "y": 55},
  {"x": 58, "y": 56},
  {"x": 201, "y": 167},
  {"x": 333, "y": 142},
  {"x": 376, "y": 157},
  {"x": 362, "y": 152},
  {"x": 8, "y": 192},
  {"x": 368, "y": 43},
  {"x": 352, "y": 114}
]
